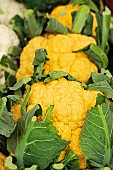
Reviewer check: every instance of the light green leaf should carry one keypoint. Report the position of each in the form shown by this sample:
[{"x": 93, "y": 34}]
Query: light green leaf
[
  {"x": 20, "y": 83},
  {"x": 102, "y": 86}
]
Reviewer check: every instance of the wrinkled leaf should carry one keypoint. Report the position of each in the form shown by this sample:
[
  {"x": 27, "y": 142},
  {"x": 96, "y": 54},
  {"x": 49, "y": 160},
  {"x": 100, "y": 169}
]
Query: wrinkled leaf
[
  {"x": 102, "y": 86},
  {"x": 95, "y": 139}
]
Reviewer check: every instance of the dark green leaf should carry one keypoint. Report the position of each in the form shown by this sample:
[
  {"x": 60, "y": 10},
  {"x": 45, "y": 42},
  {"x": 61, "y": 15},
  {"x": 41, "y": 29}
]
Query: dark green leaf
[
  {"x": 58, "y": 74},
  {"x": 39, "y": 61},
  {"x": 6, "y": 119},
  {"x": 97, "y": 55},
  {"x": 20, "y": 83},
  {"x": 95, "y": 139},
  {"x": 17, "y": 24},
  {"x": 14, "y": 51},
  {"x": 88, "y": 27},
  {"x": 25, "y": 102},
  {"x": 35, "y": 141},
  {"x": 47, "y": 120},
  {"x": 54, "y": 26},
  {"x": 20, "y": 128},
  {"x": 33, "y": 24},
  {"x": 45, "y": 5}
]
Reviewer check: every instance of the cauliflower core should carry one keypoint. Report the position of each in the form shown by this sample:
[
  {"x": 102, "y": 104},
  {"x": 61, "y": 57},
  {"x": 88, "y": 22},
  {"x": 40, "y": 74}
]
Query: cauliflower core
[
  {"x": 10, "y": 8},
  {"x": 60, "y": 53},
  {"x": 63, "y": 14},
  {"x": 71, "y": 103}
]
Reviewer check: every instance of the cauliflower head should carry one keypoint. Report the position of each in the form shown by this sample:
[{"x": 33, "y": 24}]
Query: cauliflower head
[
  {"x": 60, "y": 53},
  {"x": 71, "y": 103},
  {"x": 10, "y": 8},
  {"x": 2, "y": 160},
  {"x": 7, "y": 38},
  {"x": 63, "y": 14}
]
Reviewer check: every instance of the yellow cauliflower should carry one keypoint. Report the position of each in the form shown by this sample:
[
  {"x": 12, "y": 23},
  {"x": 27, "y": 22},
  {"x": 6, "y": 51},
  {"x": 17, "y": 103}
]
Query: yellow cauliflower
[
  {"x": 2, "y": 159},
  {"x": 63, "y": 14},
  {"x": 71, "y": 103},
  {"x": 60, "y": 53}
]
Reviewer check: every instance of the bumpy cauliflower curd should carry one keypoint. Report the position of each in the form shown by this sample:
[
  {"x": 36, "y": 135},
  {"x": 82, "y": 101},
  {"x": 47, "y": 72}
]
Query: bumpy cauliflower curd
[
  {"x": 60, "y": 53},
  {"x": 7, "y": 38},
  {"x": 63, "y": 14},
  {"x": 10, "y": 8},
  {"x": 71, "y": 103},
  {"x": 2, "y": 160}
]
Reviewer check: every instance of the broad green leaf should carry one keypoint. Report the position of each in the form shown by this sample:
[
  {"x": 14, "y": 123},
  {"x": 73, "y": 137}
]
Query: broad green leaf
[
  {"x": 36, "y": 142},
  {"x": 54, "y": 26},
  {"x": 95, "y": 139},
  {"x": 6, "y": 119},
  {"x": 20, "y": 83}
]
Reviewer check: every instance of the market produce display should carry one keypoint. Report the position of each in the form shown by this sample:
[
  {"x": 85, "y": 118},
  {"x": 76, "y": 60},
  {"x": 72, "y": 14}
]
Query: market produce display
[{"x": 56, "y": 85}]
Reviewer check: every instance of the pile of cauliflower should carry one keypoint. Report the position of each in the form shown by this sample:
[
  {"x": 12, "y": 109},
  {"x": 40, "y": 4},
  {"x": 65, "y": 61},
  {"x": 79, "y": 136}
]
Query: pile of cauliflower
[
  {"x": 8, "y": 37},
  {"x": 71, "y": 101}
]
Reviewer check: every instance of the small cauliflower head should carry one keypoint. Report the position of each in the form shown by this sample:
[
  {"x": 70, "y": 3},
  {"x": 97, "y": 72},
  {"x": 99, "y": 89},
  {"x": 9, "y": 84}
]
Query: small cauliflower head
[
  {"x": 63, "y": 14},
  {"x": 60, "y": 54},
  {"x": 71, "y": 103},
  {"x": 7, "y": 38},
  {"x": 10, "y": 8},
  {"x": 2, "y": 160}
]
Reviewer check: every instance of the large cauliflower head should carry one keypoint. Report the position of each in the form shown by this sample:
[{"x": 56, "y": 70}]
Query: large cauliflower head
[
  {"x": 10, "y": 8},
  {"x": 71, "y": 103},
  {"x": 63, "y": 14},
  {"x": 60, "y": 53}
]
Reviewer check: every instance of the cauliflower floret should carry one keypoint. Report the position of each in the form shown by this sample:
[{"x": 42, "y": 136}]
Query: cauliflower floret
[
  {"x": 63, "y": 14},
  {"x": 60, "y": 53},
  {"x": 10, "y": 8},
  {"x": 71, "y": 103},
  {"x": 2, "y": 159},
  {"x": 7, "y": 38}
]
